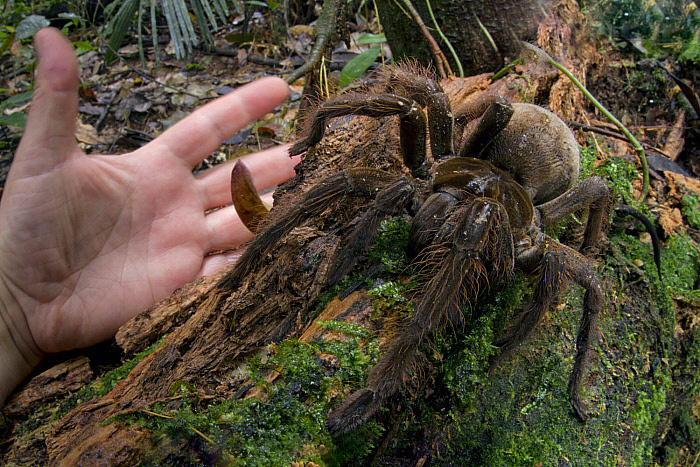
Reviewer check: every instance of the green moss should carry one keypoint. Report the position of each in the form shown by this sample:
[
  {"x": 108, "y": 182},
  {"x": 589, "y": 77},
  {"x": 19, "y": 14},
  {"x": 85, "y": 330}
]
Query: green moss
[
  {"x": 521, "y": 415},
  {"x": 97, "y": 388},
  {"x": 588, "y": 157},
  {"x": 691, "y": 209},
  {"x": 285, "y": 424},
  {"x": 681, "y": 266},
  {"x": 389, "y": 248},
  {"x": 619, "y": 174},
  {"x": 111, "y": 378},
  {"x": 645, "y": 416},
  {"x": 469, "y": 369}
]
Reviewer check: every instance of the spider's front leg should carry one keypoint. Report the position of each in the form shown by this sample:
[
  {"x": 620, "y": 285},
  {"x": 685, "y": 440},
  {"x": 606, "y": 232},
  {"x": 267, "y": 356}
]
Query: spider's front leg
[
  {"x": 412, "y": 124},
  {"x": 493, "y": 113},
  {"x": 366, "y": 182}
]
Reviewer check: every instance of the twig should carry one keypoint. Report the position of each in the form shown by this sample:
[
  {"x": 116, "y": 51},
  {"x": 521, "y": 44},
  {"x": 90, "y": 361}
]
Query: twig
[
  {"x": 323, "y": 31},
  {"x": 443, "y": 67},
  {"x": 104, "y": 113},
  {"x": 447, "y": 42},
  {"x": 638, "y": 147},
  {"x": 613, "y": 134}
]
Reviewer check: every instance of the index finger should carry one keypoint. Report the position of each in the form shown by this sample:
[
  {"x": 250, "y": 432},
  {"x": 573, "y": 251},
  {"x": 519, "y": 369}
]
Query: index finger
[{"x": 198, "y": 135}]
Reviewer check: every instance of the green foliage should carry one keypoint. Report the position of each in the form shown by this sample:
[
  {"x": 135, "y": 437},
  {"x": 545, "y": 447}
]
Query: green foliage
[
  {"x": 18, "y": 119},
  {"x": 651, "y": 401},
  {"x": 588, "y": 156},
  {"x": 390, "y": 244},
  {"x": 469, "y": 369},
  {"x": 653, "y": 27},
  {"x": 358, "y": 65},
  {"x": 272, "y": 5},
  {"x": 97, "y": 388},
  {"x": 361, "y": 63},
  {"x": 30, "y": 26},
  {"x": 691, "y": 209},
  {"x": 681, "y": 266},
  {"x": 178, "y": 18},
  {"x": 619, "y": 174}
]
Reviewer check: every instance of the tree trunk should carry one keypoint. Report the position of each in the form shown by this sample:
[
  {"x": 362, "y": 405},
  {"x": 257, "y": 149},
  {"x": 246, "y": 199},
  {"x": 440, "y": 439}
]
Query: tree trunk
[{"x": 484, "y": 35}]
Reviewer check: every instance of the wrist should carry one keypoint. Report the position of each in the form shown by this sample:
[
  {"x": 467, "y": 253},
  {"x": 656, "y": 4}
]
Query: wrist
[{"x": 18, "y": 352}]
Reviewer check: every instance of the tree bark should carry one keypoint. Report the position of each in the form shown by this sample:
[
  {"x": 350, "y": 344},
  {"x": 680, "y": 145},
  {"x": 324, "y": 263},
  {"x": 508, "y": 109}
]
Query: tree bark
[{"x": 484, "y": 35}]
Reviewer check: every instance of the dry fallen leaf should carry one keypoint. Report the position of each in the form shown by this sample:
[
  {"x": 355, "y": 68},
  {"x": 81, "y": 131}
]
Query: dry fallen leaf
[
  {"x": 86, "y": 134},
  {"x": 692, "y": 184},
  {"x": 670, "y": 219},
  {"x": 674, "y": 140}
]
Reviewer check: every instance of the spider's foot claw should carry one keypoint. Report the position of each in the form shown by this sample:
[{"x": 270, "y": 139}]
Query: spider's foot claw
[
  {"x": 353, "y": 412},
  {"x": 299, "y": 147}
]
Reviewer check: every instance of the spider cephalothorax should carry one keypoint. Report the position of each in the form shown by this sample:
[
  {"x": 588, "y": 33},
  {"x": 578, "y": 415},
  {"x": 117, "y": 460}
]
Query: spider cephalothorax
[{"x": 478, "y": 200}]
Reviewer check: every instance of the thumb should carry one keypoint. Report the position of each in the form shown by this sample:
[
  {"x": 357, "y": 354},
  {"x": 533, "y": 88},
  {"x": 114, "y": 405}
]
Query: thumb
[{"x": 49, "y": 137}]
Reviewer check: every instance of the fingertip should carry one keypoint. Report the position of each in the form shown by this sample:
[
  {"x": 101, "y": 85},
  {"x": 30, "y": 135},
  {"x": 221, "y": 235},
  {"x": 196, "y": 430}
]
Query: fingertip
[
  {"x": 49, "y": 135},
  {"x": 267, "y": 92},
  {"x": 279, "y": 85},
  {"x": 58, "y": 65}
]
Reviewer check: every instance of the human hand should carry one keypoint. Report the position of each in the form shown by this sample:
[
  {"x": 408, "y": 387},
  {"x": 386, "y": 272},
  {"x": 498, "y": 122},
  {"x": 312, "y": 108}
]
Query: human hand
[{"x": 87, "y": 242}]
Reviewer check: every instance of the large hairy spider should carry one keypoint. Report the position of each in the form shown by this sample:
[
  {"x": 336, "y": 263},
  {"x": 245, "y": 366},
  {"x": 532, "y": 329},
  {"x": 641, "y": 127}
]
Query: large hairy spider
[{"x": 478, "y": 203}]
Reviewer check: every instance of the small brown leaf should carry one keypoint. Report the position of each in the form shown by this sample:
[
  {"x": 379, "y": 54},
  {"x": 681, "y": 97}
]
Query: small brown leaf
[
  {"x": 674, "y": 140},
  {"x": 670, "y": 220},
  {"x": 87, "y": 93},
  {"x": 266, "y": 132}
]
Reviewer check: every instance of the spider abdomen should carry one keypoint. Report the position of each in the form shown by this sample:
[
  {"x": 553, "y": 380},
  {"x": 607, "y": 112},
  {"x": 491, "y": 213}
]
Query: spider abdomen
[{"x": 539, "y": 150}]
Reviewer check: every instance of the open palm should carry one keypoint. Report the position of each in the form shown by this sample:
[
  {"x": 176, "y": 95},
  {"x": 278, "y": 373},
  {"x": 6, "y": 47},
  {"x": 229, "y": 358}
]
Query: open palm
[{"x": 86, "y": 242}]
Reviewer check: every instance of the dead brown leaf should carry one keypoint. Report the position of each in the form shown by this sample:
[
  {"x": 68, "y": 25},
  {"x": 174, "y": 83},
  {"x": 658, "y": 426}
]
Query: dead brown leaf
[
  {"x": 86, "y": 134},
  {"x": 670, "y": 219},
  {"x": 674, "y": 140}
]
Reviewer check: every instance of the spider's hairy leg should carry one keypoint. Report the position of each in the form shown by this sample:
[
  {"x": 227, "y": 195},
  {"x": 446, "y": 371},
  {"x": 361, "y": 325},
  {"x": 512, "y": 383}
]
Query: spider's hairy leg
[
  {"x": 560, "y": 264},
  {"x": 458, "y": 263},
  {"x": 592, "y": 192},
  {"x": 388, "y": 201},
  {"x": 495, "y": 113},
  {"x": 412, "y": 124},
  {"x": 358, "y": 181},
  {"x": 417, "y": 84},
  {"x": 250, "y": 208},
  {"x": 429, "y": 218}
]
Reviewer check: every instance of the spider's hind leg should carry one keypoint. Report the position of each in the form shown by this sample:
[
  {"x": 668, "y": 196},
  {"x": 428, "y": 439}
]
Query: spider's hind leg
[{"x": 559, "y": 265}]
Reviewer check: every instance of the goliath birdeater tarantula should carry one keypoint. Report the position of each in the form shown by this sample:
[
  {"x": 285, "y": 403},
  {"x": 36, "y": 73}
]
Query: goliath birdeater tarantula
[{"x": 478, "y": 204}]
